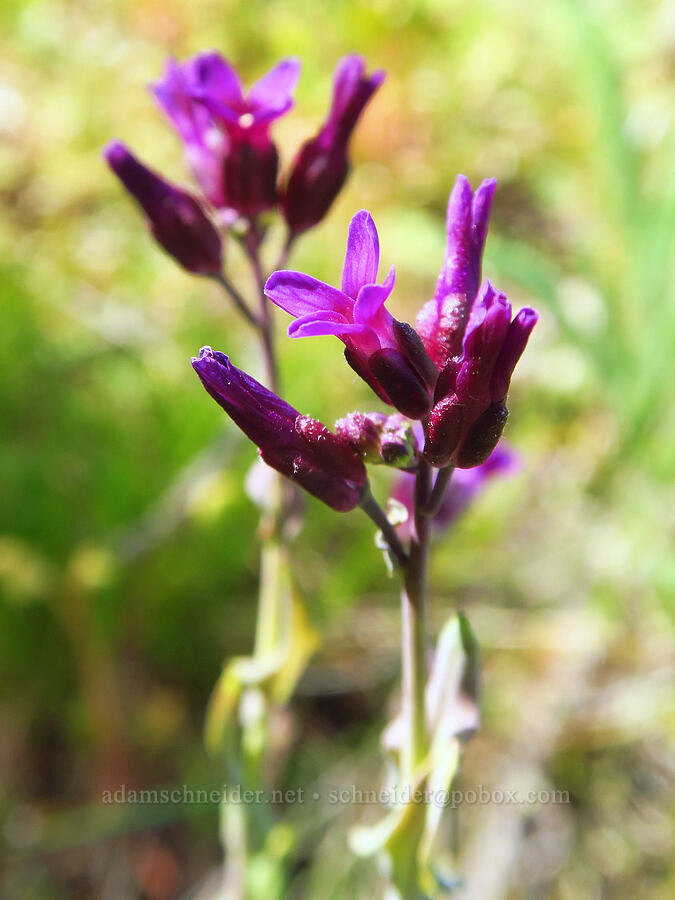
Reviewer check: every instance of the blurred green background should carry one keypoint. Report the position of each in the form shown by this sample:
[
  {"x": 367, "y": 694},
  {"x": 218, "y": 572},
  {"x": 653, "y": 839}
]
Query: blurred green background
[{"x": 127, "y": 554}]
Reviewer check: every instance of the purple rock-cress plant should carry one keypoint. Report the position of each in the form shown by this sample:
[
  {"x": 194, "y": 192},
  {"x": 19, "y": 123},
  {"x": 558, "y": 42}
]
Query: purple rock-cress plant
[{"x": 447, "y": 378}]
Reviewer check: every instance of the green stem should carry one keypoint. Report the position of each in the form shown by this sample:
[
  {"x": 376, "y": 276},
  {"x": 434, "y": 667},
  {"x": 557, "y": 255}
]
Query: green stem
[
  {"x": 414, "y": 632},
  {"x": 237, "y": 299}
]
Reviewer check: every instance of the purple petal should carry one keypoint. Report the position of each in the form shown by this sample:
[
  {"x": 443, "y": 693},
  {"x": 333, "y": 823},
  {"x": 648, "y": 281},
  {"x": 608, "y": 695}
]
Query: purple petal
[
  {"x": 458, "y": 266},
  {"x": 330, "y": 323},
  {"x": 488, "y": 324},
  {"x": 300, "y": 294},
  {"x": 363, "y": 254},
  {"x": 372, "y": 298},
  {"x": 270, "y": 96},
  {"x": 351, "y": 91},
  {"x": 216, "y": 78},
  {"x": 173, "y": 93},
  {"x": 441, "y": 322},
  {"x": 388, "y": 283},
  {"x": 482, "y": 204},
  {"x": 347, "y": 74},
  {"x": 512, "y": 349}
]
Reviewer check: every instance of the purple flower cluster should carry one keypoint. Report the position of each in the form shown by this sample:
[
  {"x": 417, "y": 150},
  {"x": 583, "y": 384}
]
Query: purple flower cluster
[
  {"x": 447, "y": 377},
  {"x": 453, "y": 372},
  {"x": 232, "y": 157}
]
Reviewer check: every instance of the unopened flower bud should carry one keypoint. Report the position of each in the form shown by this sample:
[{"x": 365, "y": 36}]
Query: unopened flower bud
[
  {"x": 321, "y": 166},
  {"x": 398, "y": 444},
  {"x": 402, "y": 385},
  {"x": 483, "y": 436},
  {"x": 444, "y": 430},
  {"x": 177, "y": 221},
  {"x": 299, "y": 447},
  {"x": 380, "y": 439}
]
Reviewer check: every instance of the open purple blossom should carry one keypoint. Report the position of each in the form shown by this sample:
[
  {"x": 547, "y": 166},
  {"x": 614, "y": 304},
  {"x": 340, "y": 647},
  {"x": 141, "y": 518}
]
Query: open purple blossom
[
  {"x": 387, "y": 354},
  {"x": 464, "y": 487},
  {"x": 442, "y": 320},
  {"x": 321, "y": 165},
  {"x": 204, "y": 142},
  {"x": 177, "y": 221},
  {"x": 225, "y": 131},
  {"x": 470, "y": 411},
  {"x": 299, "y": 447}
]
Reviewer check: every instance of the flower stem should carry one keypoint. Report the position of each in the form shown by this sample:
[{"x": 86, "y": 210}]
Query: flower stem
[
  {"x": 414, "y": 631},
  {"x": 373, "y": 509},
  {"x": 237, "y": 299},
  {"x": 252, "y": 245},
  {"x": 438, "y": 492}
]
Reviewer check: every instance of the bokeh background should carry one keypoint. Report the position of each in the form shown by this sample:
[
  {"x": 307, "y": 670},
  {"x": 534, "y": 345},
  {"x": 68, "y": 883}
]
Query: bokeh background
[{"x": 127, "y": 559}]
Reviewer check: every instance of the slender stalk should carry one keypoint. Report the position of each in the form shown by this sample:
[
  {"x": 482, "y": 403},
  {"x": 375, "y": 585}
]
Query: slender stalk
[
  {"x": 252, "y": 244},
  {"x": 438, "y": 492},
  {"x": 373, "y": 509},
  {"x": 237, "y": 299},
  {"x": 414, "y": 631},
  {"x": 285, "y": 251}
]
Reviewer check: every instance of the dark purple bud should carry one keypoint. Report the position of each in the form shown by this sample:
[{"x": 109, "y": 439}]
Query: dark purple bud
[
  {"x": 321, "y": 166},
  {"x": 443, "y": 431},
  {"x": 447, "y": 380},
  {"x": 401, "y": 383},
  {"x": 177, "y": 221},
  {"x": 335, "y": 452},
  {"x": 300, "y": 448},
  {"x": 483, "y": 340},
  {"x": 358, "y": 361},
  {"x": 250, "y": 176},
  {"x": 410, "y": 344},
  {"x": 315, "y": 181},
  {"x": 512, "y": 349},
  {"x": 482, "y": 437}
]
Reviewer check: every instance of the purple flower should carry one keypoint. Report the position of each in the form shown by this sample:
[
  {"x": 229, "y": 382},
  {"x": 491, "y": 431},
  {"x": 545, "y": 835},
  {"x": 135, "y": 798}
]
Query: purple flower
[
  {"x": 464, "y": 486},
  {"x": 204, "y": 142},
  {"x": 299, "y": 447},
  {"x": 387, "y": 354},
  {"x": 442, "y": 320},
  {"x": 176, "y": 220},
  {"x": 469, "y": 412},
  {"x": 226, "y": 132},
  {"x": 321, "y": 166}
]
